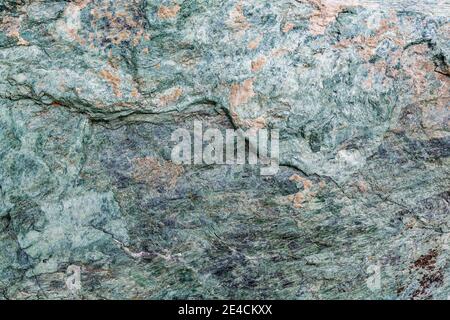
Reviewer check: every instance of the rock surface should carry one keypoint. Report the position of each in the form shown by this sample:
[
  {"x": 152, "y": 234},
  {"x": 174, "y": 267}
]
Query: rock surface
[{"x": 91, "y": 90}]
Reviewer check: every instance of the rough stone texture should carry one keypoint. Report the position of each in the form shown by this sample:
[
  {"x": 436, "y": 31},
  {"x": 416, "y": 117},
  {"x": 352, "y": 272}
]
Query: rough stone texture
[{"x": 91, "y": 90}]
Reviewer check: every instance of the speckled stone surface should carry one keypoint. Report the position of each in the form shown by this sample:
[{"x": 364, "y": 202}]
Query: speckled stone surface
[{"x": 91, "y": 90}]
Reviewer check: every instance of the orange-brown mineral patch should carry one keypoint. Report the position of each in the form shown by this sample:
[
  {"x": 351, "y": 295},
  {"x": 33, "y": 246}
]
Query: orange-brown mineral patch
[
  {"x": 113, "y": 80},
  {"x": 135, "y": 93},
  {"x": 156, "y": 173},
  {"x": 258, "y": 63},
  {"x": 362, "y": 186},
  {"x": 420, "y": 70},
  {"x": 173, "y": 95},
  {"x": 237, "y": 20},
  {"x": 252, "y": 45},
  {"x": 257, "y": 123},
  {"x": 11, "y": 26},
  {"x": 81, "y": 3},
  {"x": 326, "y": 12},
  {"x": 70, "y": 24},
  {"x": 304, "y": 196},
  {"x": 307, "y": 184},
  {"x": 377, "y": 71},
  {"x": 296, "y": 178},
  {"x": 443, "y": 95},
  {"x": 366, "y": 46},
  {"x": 436, "y": 117},
  {"x": 241, "y": 93},
  {"x": 124, "y": 24},
  {"x": 121, "y": 36},
  {"x": 288, "y": 27},
  {"x": 297, "y": 199},
  {"x": 168, "y": 12},
  {"x": 278, "y": 52}
]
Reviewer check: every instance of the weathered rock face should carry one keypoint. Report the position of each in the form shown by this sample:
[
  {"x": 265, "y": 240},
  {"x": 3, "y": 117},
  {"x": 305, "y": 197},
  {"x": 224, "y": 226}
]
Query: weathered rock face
[{"x": 91, "y": 90}]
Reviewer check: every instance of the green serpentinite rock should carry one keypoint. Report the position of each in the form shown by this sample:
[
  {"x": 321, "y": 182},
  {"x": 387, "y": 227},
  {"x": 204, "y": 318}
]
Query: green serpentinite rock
[{"x": 91, "y": 91}]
